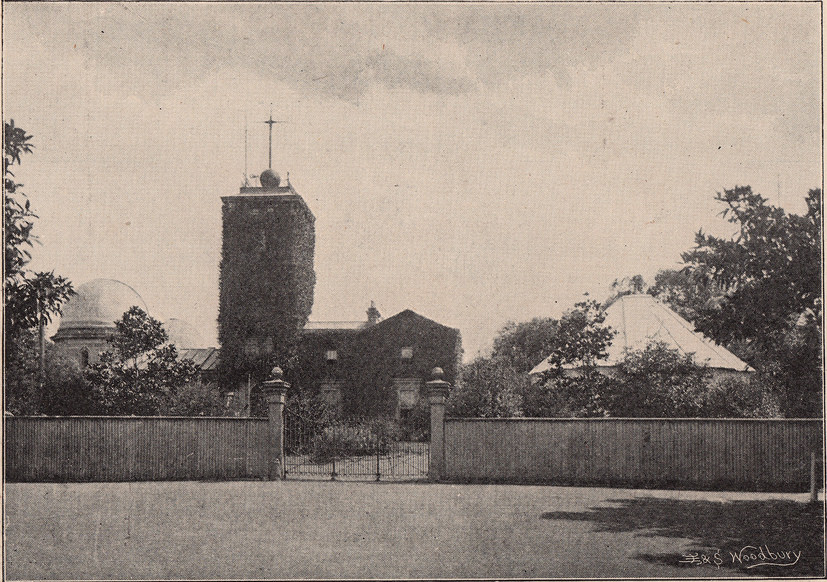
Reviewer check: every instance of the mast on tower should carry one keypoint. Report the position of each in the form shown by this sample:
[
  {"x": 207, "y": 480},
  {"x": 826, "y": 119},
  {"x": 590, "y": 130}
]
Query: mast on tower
[
  {"x": 271, "y": 122},
  {"x": 246, "y": 182}
]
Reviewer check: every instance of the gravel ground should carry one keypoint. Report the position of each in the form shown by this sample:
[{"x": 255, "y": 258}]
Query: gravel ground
[{"x": 318, "y": 529}]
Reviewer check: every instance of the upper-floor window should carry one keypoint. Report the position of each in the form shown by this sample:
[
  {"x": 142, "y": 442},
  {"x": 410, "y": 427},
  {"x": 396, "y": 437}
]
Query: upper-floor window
[
  {"x": 84, "y": 357},
  {"x": 331, "y": 355},
  {"x": 406, "y": 353}
]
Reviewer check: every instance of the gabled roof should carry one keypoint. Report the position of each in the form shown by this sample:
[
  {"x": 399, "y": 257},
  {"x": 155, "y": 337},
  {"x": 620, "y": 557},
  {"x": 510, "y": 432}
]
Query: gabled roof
[
  {"x": 358, "y": 326},
  {"x": 639, "y": 319},
  {"x": 407, "y": 314}
]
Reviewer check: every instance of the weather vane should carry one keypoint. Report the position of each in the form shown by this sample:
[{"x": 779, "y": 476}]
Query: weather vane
[{"x": 270, "y": 122}]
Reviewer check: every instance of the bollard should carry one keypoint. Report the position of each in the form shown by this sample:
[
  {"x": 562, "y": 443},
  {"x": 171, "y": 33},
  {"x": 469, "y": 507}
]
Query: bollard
[{"x": 275, "y": 390}]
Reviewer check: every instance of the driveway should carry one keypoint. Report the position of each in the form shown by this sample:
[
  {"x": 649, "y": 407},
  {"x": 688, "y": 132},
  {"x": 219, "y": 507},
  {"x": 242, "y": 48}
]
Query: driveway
[{"x": 321, "y": 529}]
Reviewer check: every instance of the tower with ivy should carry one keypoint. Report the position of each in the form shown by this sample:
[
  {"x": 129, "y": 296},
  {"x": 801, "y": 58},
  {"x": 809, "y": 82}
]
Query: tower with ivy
[{"x": 266, "y": 277}]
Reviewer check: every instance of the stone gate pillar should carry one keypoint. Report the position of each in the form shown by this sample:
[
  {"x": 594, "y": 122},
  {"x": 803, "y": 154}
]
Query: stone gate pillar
[
  {"x": 437, "y": 392},
  {"x": 275, "y": 390}
]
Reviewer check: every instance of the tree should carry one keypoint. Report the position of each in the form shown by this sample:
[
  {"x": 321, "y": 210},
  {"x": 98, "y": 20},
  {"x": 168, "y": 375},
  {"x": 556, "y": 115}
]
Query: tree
[
  {"x": 500, "y": 385},
  {"x": 580, "y": 339},
  {"x": 487, "y": 388},
  {"x": 137, "y": 334},
  {"x": 770, "y": 307},
  {"x": 18, "y": 216},
  {"x": 195, "y": 398},
  {"x": 653, "y": 381},
  {"x": 31, "y": 300},
  {"x": 524, "y": 345},
  {"x": 658, "y": 381},
  {"x": 142, "y": 374},
  {"x": 687, "y": 291},
  {"x": 561, "y": 396},
  {"x": 768, "y": 271},
  {"x": 734, "y": 397},
  {"x": 60, "y": 391}
]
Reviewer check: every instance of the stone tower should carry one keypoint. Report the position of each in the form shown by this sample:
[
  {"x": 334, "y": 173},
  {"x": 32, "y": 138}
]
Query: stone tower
[{"x": 267, "y": 278}]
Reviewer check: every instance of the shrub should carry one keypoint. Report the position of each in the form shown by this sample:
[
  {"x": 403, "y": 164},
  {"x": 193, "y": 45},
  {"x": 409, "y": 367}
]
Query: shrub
[
  {"x": 657, "y": 381},
  {"x": 561, "y": 396},
  {"x": 417, "y": 426},
  {"x": 488, "y": 388},
  {"x": 734, "y": 397},
  {"x": 195, "y": 398},
  {"x": 351, "y": 438}
]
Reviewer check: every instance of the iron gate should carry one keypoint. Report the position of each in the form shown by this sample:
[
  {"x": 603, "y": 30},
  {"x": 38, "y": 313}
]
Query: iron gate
[{"x": 355, "y": 448}]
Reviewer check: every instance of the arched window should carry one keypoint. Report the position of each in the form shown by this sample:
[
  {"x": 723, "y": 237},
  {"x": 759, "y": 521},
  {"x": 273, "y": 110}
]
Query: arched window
[{"x": 84, "y": 357}]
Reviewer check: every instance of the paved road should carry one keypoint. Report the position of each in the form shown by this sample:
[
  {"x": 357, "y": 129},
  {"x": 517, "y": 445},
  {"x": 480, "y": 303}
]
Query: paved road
[{"x": 387, "y": 530}]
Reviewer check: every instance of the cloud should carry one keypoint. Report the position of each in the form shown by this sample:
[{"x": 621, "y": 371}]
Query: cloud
[
  {"x": 352, "y": 78},
  {"x": 335, "y": 50}
]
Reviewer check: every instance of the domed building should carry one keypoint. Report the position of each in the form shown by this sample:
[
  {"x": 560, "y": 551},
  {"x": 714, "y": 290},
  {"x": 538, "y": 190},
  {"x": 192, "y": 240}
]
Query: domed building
[
  {"x": 183, "y": 334},
  {"x": 89, "y": 318}
]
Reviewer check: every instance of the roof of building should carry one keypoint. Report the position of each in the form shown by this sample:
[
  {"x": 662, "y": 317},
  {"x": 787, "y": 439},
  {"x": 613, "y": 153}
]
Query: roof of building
[
  {"x": 334, "y": 325},
  {"x": 99, "y": 303},
  {"x": 206, "y": 359},
  {"x": 409, "y": 314},
  {"x": 640, "y": 319}
]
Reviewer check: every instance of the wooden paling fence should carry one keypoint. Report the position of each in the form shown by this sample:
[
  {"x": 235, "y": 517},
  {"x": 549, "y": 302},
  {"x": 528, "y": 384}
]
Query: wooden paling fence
[
  {"x": 135, "y": 448},
  {"x": 756, "y": 454}
]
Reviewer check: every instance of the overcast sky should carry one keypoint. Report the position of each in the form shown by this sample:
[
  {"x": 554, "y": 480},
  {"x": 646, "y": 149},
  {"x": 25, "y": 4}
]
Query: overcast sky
[{"x": 475, "y": 163}]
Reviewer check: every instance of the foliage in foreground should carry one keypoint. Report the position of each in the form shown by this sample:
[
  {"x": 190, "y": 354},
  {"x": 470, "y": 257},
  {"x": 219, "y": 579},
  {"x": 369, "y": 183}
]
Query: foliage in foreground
[
  {"x": 31, "y": 300},
  {"x": 499, "y": 386},
  {"x": 141, "y": 374},
  {"x": 770, "y": 310},
  {"x": 655, "y": 381},
  {"x": 758, "y": 293}
]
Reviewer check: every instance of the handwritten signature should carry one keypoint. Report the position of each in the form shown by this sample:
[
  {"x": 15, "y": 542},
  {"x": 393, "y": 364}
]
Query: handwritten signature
[{"x": 748, "y": 557}]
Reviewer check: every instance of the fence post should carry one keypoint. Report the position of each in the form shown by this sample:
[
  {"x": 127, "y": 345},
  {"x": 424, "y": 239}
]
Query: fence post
[
  {"x": 275, "y": 390},
  {"x": 437, "y": 391},
  {"x": 813, "y": 479}
]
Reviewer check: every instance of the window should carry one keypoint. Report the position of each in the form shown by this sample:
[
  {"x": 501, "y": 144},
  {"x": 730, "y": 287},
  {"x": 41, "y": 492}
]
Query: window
[
  {"x": 251, "y": 347},
  {"x": 406, "y": 353},
  {"x": 331, "y": 355},
  {"x": 84, "y": 358}
]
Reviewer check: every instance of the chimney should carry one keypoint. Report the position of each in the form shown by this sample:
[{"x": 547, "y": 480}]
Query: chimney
[{"x": 373, "y": 314}]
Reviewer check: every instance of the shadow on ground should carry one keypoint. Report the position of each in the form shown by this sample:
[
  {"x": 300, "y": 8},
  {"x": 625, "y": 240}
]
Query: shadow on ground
[{"x": 720, "y": 530}]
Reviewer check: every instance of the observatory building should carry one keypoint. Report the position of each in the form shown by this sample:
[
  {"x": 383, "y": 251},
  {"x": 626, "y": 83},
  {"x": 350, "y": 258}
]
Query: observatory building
[
  {"x": 88, "y": 322},
  {"x": 89, "y": 318},
  {"x": 266, "y": 276},
  {"x": 266, "y": 289}
]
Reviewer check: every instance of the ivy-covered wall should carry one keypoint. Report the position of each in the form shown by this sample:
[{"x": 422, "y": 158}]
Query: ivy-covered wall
[
  {"x": 266, "y": 281},
  {"x": 312, "y": 367},
  {"x": 370, "y": 358}
]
